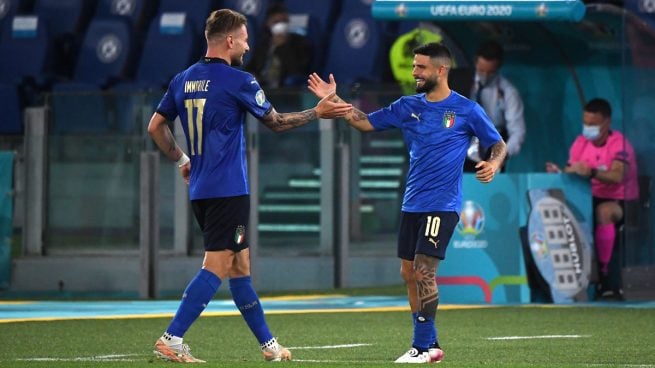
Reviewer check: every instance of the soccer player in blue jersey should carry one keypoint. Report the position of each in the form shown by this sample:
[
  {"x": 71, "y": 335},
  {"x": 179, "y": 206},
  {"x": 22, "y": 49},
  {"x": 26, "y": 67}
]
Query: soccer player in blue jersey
[
  {"x": 211, "y": 99},
  {"x": 437, "y": 125}
]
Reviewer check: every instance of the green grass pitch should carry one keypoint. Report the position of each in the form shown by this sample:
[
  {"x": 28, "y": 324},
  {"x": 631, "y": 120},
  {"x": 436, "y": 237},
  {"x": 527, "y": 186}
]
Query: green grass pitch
[{"x": 606, "y": 337}]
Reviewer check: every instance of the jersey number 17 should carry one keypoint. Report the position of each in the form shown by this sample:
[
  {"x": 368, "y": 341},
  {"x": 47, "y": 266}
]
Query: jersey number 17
[{"x": 195, "y": 125}]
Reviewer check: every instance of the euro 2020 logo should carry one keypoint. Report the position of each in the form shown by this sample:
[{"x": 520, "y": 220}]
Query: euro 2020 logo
[{"x": 471, "y": 222}]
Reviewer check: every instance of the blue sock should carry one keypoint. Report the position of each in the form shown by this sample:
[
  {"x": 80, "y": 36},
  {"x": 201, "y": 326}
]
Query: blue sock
[
  {"x": 195, "y": 299},
  {"x": 246, "y": 300},
  {"x": 433, "y": 336},
  {"x": 423, "y": 333}
]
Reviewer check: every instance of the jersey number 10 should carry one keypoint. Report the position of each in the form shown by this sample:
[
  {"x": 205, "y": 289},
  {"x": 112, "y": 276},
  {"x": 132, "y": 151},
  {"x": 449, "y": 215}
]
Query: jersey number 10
[{"x": 195, "y": 125}]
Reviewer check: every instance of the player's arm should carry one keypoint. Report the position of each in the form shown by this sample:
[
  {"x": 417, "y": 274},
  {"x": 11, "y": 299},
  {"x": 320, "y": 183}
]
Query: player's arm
[
  {"x": 326, "y": 108},
  {"x": 278, "y": 122},
  {"x": 356, "y": 118},
  {"x": 160, "y": 133},
  {"x": 485, "y": 170}
]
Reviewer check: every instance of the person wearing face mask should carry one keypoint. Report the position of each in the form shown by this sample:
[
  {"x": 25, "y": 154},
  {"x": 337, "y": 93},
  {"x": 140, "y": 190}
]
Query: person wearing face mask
[
  {"x": 606, "y": 157},
  {"x": 281, "y": 57},
  {"x": 500, "y": 100}
]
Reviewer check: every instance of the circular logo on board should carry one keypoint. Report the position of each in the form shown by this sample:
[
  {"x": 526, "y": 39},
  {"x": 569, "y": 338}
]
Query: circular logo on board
[
  {"x": 122, "y": 7},
  {"x": 357, "y": 33},
  {"x": 250, "y": 7},
  {"x": 109, "y": 48},
  {"x": 647, "y": 6},
  {"x": 471, "y": 221}
]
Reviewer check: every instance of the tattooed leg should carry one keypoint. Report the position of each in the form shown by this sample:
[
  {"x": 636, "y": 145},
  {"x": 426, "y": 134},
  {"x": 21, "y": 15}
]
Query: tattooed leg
[{"x": 425, "y": 268}]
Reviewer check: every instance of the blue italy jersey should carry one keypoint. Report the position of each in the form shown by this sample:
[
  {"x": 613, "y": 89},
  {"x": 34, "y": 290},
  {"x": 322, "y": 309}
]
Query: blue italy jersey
[
  {"x": 437, "y": 136},
  {"x": 212, "y": 99}
]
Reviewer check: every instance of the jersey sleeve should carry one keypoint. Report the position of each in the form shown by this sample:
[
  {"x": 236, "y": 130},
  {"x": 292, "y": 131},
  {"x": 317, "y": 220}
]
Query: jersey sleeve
[
  {"x": 622, "y": 151},
  {"x": 388, "y": 117},
  {"x": 167, "y": 107},
  {"x": 483, "y": 128},
  {"x": 252, "y": 98}
]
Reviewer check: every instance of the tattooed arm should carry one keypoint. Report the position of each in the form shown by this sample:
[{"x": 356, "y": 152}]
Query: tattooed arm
[
  {"x": 325, "y": 108},
  {"x": 485, "y": 170},
  {"x": 160, "y": 132},
  {"x": 280, "y": 122},
  {"x": 163, "y": 137}
]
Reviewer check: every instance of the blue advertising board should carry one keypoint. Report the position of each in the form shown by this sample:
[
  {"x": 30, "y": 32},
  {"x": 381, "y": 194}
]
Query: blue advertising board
[
  {"x": 479, "y": 10},
  {"x": 6, "y": 215}
]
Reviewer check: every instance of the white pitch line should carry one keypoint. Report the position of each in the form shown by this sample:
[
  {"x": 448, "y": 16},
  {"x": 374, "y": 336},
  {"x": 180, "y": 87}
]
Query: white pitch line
[
  {"x": 537, "y": 337},
  {"x": 339, "y": 361},
  {"x": 97, "y": 358},
  {"x": 327, "y": 346}
]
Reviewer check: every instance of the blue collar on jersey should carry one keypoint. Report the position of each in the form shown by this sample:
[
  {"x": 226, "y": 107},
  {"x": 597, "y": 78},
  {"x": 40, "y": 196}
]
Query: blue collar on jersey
[{"x": 208, "y": 60}]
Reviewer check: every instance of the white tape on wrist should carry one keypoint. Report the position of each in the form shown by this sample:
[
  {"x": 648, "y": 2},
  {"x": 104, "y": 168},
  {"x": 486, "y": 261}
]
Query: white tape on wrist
[{"x": 183, "y": 160}]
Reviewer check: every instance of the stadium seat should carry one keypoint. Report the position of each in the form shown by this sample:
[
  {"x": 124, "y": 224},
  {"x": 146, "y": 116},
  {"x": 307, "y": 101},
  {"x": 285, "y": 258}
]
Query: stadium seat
[
  {"x": 169, "y": 38},
  {"x": 106, "y": 54},
  {"x": 196, "y": 14},
  {"x": 24, "y": 50},
  {"x": 254, "y": 9},
  {"x": 324, "y": 12},
  {"x": 137, "y": 12},
  {"x": 11, "y": 110},
  {"x": 356, "y": 36},
  {"x": 356, "y": 6},
  {"x": 64, "y": 17},
  {"x": 66, "y": 21},
  {"x": 170, "y": 47}
]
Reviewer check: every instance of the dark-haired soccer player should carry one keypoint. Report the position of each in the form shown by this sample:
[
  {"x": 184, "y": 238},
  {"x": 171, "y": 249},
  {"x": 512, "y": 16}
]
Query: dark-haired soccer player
[
  {"x": 437, "y": 125},
  {"x": 212, "y": 99}
]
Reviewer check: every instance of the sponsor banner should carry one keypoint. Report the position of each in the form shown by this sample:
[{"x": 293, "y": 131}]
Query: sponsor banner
[{"x": 561, "y": 249}]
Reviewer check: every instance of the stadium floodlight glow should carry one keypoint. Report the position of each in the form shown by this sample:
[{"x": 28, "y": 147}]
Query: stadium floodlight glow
[{"x": 480, "y": 10}]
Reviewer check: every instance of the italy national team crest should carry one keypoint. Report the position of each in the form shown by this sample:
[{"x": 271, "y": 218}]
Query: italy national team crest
[
  {"x": 449, "y": 119},
  {"x": 240, "y": 234}
]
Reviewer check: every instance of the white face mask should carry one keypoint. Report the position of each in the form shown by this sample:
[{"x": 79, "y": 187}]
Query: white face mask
[
  {"x": 280, "y": 28},
  {"x": 591, "y": 132}
]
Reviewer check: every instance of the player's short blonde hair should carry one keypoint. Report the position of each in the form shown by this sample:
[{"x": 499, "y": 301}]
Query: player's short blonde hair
[{"x": 222, "y": 22}]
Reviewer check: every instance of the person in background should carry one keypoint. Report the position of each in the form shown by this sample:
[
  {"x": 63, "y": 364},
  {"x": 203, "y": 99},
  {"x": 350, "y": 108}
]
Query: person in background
[
  {"x": 437, "y": 125},
  {"x": 606, "y": 157},
  {"x": 281, "y": 57},
  {"x": 211, "y": 98},
  {"x": 499, "y": 98}
]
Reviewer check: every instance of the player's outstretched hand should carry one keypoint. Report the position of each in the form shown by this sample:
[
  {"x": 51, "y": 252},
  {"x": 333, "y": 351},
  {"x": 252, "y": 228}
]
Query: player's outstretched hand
[
  {"x": 328, "y": 109},
  {"x": 319, "y": 87},
  {"x": 485, "y": 171}
]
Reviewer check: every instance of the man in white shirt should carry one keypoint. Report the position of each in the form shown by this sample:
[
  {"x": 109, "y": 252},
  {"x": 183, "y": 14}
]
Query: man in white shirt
[{"x": 500, "y": 100}]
